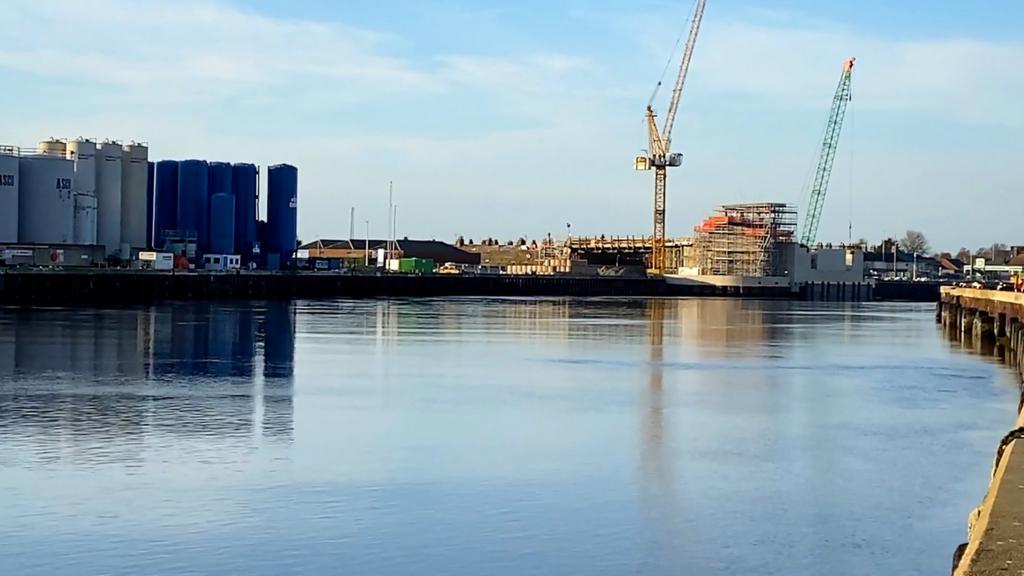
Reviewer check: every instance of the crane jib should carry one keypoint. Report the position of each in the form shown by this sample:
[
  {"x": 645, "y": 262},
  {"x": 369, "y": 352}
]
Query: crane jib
[{"x": 829, "y": 145}]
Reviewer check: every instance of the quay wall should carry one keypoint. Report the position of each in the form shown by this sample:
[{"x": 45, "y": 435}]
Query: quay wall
[
  {"x": 146, "y": 286},
  {"x": 993, "y": 322},
  {"x": 22, "y": 286}
]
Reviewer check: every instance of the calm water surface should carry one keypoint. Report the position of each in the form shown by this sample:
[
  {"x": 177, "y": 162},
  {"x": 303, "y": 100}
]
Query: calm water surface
[{"x": 507, "y": 437}]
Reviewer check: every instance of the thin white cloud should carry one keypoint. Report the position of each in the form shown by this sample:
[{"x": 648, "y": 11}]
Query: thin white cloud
[
  {"x": 956, "y": 79},
  {"x": 168, "y": 49},
  {"x": 192, "y": 50}
]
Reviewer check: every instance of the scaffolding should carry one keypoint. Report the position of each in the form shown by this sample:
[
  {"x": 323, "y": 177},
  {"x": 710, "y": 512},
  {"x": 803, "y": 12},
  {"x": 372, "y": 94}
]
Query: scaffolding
[{"x": 740, "y": 239}]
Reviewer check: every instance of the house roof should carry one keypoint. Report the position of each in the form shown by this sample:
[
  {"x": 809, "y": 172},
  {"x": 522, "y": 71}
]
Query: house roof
[
  {"x": 1017, "y": 260},
  {"x": 954, "y": 264},
  {"x": 433, "y": 249}
]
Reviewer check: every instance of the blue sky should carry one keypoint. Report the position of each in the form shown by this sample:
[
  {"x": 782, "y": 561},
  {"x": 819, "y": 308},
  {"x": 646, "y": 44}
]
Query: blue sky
[{"x": 510, "y": 119}]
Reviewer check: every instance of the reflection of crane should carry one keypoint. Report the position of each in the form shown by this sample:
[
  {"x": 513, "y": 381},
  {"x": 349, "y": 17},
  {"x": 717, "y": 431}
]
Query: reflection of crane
[
  {"x": 828, "y": 154},
  {"x": 659, "y": 151}
]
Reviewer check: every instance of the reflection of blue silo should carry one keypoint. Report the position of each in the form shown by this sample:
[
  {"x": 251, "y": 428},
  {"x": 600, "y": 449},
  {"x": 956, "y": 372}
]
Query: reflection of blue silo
[
  {"x": 185, "y": 370},
  {"x": 193, "y": 199},
  {"x": 243, "y": 349},
  {"x": 220, "y": 338},
  {"x": 278, "y": 369},
  {"x": 279, "y": 340},
  {"x": 282, "y": 210},
  {"x": 244, "y": 180},
  {"x": 208, "y": 340},
  {"x": 166, "y": 201}
]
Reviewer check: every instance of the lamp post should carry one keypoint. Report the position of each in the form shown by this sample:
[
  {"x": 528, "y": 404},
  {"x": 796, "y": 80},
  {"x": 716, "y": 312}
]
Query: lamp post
[{"x": 366, "y": 244}]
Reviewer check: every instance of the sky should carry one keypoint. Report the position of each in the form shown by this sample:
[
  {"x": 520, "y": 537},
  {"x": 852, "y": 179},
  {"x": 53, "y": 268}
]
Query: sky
[{"x": 507, "y": 119}]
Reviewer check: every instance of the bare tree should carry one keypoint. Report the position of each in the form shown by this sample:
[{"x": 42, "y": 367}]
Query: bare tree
[
  {"x": 914, "y": 242},
  {"x": 964, "y": 255}
]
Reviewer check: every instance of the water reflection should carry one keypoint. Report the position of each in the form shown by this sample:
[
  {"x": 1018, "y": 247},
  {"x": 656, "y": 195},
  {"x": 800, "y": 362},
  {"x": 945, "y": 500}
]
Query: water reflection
[
  {"x": 95, "y": 379},
  {"x": 498, "y": 436}
]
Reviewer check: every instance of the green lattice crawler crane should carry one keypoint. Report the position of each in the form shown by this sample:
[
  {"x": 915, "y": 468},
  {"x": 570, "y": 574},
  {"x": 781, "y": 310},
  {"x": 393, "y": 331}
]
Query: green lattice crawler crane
[{"x": 819, "y": 188}]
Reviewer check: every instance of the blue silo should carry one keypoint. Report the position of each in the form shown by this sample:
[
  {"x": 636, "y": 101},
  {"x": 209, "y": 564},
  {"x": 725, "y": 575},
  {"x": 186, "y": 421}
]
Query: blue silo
[
  {"x": 222, "y": 224},
  {"x": 166, "y": 202},
  {"x": 150, "y": 200},
  {"x": 282, "y": 211},
  {"x": 244, "y": 180},
  {"x": 220, "y": 178},
  {"x": 193, "y": 200}
]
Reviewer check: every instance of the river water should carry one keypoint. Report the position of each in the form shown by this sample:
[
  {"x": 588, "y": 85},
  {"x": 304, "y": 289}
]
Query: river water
[{"x": 505, "y": 437}]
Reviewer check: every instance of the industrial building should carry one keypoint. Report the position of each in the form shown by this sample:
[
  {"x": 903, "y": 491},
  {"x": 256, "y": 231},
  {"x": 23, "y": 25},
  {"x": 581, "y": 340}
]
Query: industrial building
[
  {"x": 753, "y": 245},
  {"x": 357, "y": 252},
  {"x": 82, "y": 193}
]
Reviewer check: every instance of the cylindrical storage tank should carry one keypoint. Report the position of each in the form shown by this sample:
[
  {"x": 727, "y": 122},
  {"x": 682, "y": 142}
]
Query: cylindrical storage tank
[
  {"x": 166, "y": 201},
  {"x": 282, "y": 210},
  {"x": 193, "y": 200},
  {"x": 220, "y": 178},
  {"x": 222, "y": 224},
  {"x": 53, "y": 147},
  {"x": 134, "y": 175},
  {"x": 85, "y": 219},
  {"x": 150, "y": 202},
  {"x": 108, "y": 196},
  {"x": 46, "y": 209},
  {"x": 83, "y": 154},
  {"x": 9, "y": 198},
  {"x": 244, "y": 180}
]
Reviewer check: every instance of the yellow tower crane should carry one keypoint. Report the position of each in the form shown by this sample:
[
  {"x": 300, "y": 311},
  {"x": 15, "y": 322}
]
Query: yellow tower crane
[{"x": 659, "y": 152}]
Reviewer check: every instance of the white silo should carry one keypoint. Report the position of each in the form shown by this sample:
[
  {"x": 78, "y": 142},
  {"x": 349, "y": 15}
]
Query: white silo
[
  {"x": 108, "y": 196},
  {"x": 8, "y": 197},
  {"x": 46, "y": 210},
  {"x": 134, "y": 178},
  {"x": 85, "y": 219},
  {"x": 53, "y": 147},
  {"x": 83, "y": 153}
]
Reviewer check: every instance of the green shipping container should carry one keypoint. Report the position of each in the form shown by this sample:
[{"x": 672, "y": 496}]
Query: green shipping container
[{"x": 416, "y": 265}]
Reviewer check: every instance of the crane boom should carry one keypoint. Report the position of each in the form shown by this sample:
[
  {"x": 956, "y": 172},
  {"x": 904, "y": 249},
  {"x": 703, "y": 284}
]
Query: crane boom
[
  {"x": 819, "y": 188},
  {"x": 684, "y": 67}
]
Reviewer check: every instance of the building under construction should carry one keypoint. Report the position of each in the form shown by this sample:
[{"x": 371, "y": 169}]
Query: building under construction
[{"x": 743, "y": 239}]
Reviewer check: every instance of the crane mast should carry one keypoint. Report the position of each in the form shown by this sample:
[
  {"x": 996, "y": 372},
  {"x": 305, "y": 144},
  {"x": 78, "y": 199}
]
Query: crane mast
[
  {"x": 819, "y": 187},
  {"x": 659, "y": 153}
]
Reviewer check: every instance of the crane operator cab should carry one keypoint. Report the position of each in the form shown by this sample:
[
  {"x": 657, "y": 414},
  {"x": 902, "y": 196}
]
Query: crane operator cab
[{"x": 646, "y": 163}]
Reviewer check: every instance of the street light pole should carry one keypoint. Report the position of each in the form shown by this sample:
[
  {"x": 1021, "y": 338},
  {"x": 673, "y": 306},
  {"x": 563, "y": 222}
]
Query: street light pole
[{"x": 366, "y": 244}]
